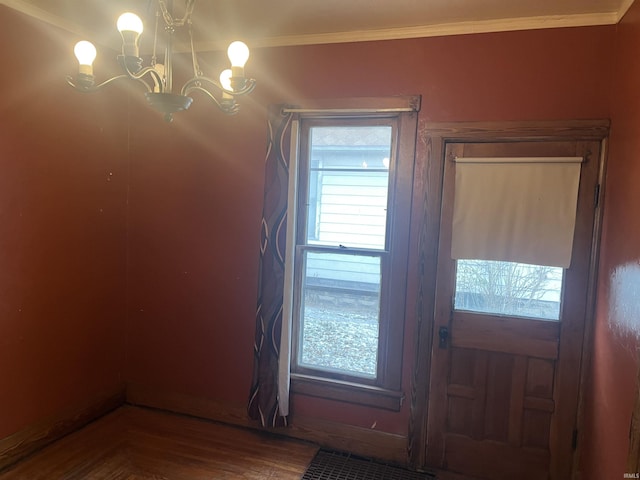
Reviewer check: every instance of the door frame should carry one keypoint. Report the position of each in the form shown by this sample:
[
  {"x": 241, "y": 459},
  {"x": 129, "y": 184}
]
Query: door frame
[{"x": 427, "y": 202}]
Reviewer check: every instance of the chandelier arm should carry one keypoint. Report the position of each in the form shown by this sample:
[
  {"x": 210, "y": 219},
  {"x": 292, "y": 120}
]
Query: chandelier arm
[
  {"x": 196, "y": 81},
  {"x": 193, "y": 83},
  {"x": 250, "y": 84},
  {"x": 146, "y": 85},
  {"x": 151, "y": 71},
  {"x": 230, "y": 107},
  {"x": 95, "y": 88}
]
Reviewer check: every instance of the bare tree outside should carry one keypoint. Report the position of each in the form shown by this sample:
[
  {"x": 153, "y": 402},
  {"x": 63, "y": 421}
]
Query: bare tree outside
[{"x": 508, "y": 288}]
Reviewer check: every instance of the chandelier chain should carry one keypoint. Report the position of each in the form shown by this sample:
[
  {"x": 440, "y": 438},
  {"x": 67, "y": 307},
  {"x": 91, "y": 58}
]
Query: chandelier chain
[
  {"x": 154, "y": 56},
  {"x": 168, "y": 18},
  {"x": 197, "y": 72}
]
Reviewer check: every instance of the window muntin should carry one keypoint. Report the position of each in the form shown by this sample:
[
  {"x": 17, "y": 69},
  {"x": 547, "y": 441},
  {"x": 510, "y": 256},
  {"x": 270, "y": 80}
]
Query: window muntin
[
  {"x": 508, "y": 288},
  {"x": 342, "y": 253}
]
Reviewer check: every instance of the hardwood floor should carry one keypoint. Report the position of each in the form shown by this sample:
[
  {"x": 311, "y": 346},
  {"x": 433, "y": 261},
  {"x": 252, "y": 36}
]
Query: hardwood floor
[{"x": 135, "y": 444}]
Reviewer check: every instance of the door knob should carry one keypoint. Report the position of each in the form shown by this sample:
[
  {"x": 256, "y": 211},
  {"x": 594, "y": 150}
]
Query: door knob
[{"x": 443, "y": 335}]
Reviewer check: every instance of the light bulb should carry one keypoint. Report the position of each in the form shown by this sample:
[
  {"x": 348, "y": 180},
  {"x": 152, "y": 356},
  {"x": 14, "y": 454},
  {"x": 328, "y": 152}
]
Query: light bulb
[
  {"x": 238, "y": 53},
  {"x": 129, "y": 22},
  {"x": 85, "y": 52},
  {"x": 225, "y": 79},
  {"x": 130, "y": 27}
]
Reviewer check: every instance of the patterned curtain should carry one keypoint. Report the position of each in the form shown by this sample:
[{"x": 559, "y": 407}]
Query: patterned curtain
[{"x": 265, "y": 402}]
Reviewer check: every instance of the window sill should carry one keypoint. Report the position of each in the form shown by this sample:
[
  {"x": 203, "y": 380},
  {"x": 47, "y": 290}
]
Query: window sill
[{"x": 350, "y": 392}]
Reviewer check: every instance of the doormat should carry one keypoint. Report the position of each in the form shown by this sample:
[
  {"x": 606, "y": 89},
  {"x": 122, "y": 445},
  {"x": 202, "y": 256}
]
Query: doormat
[{"x": 328, "y": 465}]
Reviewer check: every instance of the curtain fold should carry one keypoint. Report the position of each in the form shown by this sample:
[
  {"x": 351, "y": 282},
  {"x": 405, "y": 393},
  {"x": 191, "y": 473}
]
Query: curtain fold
[{"x": 266, "y": 390}]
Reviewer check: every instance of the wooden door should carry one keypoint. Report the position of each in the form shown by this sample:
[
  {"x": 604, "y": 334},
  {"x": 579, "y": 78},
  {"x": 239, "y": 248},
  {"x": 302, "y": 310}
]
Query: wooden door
[{"x": 503, "y": 389}]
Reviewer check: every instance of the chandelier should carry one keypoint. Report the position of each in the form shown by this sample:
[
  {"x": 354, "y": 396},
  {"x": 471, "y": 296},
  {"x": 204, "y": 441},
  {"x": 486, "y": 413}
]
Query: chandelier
[{"x": 157, "y": 78}]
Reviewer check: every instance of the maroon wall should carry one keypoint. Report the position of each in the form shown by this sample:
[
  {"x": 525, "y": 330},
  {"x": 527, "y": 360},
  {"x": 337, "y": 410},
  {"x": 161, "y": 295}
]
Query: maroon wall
[
  {"x": 613, "y": 385},
  {"x": 196, "y": 186},
  {"x": 62, "y": 230}
]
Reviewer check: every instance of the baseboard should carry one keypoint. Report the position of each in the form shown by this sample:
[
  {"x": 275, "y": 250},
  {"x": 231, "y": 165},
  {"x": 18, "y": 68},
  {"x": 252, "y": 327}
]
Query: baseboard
[
  {"x": 34, "y": 437},
  {"x": 144, "y": 396},
  {"x": 387, "y": 447},
  {"x": 357, "y": 440}
]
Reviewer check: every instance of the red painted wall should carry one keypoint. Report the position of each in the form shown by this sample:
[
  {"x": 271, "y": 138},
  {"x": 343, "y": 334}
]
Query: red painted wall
[
  {"x": 62, "y": 230},
  {"x": 613, "y": 386},
  {"x": 196, "y": 186}
]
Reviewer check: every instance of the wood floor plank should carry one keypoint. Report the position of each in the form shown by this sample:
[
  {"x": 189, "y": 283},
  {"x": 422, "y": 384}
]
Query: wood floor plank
[{"x": 135, "y": 443}]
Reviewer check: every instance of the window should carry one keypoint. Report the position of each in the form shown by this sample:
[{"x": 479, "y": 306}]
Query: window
[
  {"x": 343, "y": 247},
  {"x": 351, "y": 243},
  {"x": 508, "y": 288}
]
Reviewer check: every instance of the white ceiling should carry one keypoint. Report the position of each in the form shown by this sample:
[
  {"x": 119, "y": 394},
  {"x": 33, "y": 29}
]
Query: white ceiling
[{"x": 298, "y": 22}]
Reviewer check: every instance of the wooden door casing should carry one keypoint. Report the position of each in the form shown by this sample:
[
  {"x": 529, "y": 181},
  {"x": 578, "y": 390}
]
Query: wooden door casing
[{"x": 503, "y": 393}]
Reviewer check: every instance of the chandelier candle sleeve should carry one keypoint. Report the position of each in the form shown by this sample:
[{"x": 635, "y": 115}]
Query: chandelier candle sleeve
[{"x": 225, "y": 81}]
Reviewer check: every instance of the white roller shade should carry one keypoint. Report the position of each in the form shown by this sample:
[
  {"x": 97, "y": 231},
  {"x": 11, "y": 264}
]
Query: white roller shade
[{"x": 516, "y": 209}]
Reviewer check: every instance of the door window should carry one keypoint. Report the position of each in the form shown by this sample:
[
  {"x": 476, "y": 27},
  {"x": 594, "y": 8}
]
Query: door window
[{"x": 508, "y": 288}]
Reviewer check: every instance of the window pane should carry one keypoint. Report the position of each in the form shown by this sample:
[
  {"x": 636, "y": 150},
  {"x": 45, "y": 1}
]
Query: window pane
[
  {"x": 507, "y": 288},
  {"x": 339, "y": 318},
  {"x": 348, "y": 186}
]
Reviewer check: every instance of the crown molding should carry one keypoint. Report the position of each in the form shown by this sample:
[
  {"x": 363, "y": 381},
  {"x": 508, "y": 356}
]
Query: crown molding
[
  {"x": 624, "y": 8},
  {"x": 455, "y": 28}
]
